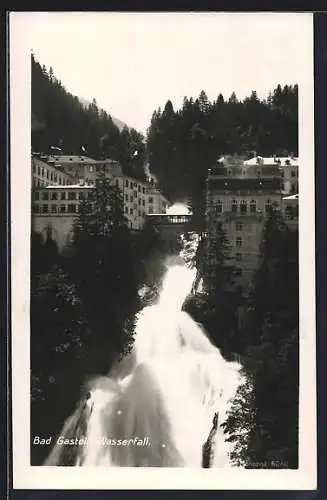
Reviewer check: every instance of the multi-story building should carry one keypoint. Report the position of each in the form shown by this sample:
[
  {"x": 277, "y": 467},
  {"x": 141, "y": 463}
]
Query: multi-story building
[
  {"x": 59, "y": 183},
  {"x": 83, "y": 167},
  {"x": 44, "y": 173},
  {"x": 288, "y": 168},
  {"x": 156, "y": 202},
  {"x": 135, "y": 200},
  {"x": 239, "y": 195},
  {"x": 290, "y": 209},
  {"x": 54, "y": 210}
]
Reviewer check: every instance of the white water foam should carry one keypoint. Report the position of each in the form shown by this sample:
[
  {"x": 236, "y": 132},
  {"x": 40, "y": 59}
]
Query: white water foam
[{"x": 167, "y": 389}]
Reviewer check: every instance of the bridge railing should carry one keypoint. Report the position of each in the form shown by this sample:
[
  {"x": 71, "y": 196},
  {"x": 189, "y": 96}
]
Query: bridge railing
[{"x": 168, "y": 219}]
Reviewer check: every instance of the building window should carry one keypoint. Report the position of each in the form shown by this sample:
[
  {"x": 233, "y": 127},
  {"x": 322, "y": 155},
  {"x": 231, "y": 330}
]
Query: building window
[
  {"x": 239, "y": 257},
  {"x": 45, "y": 209},
  {"x": 81, "y": 195},
  {"x": 45, "y": 195},
  {"x": 239, "y": 226},
  {"x": 42, "y": 172},
  {"x": 54, "y": 208},
  {"x": 143, "y": 203},
  {"x": 139, "y": 201},
  {"x": 219, "y": 207},
  {"x": 143, "y": 190},
  {"x": 234, "y": 206},
  {"x": 72, "y": 208},
  {"x": 38, "y": 170},
  {"x": 238, "y": 241},
  {"x": 131, "y": 211},
  {"x": 51, "y": 176},
  {"x": 62, "y": 209},
  {"x": 268, "y": 206},
  {"x": 89, "y": 195},
  {"x": 131, "y": 199},
  {"x": 126, "y": 183},
  {"x": 150, "y": 199},
  {"x": 243, "y": 207},
  {"x": 139, "y": 189},
  {"x": 150, "y": 211},
  {"x": 36, "y": 208},
  {"x": 54, "y": 196},
  {"x": 139, "y": 213},
  {"x": 253, "y": 206},
  {"x": 36, "y": 195},
  {"x": 126, "y": 210},
  {"x": 126, "y": 197},
  {"x": 117, "y": 182},
  {"x": 293, "y": 173},
  {"x": 63, "y": 195},
  {"x": 72, "y": 195}
]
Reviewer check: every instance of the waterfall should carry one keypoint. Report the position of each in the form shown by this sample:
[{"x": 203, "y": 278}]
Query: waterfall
[{"x": 156, "y": 406}]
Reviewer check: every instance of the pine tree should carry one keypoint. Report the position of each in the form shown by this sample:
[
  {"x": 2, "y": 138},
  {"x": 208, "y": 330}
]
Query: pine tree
[
  {"x": 182, "y": 144},
  {"x": 103, "y": 268}
]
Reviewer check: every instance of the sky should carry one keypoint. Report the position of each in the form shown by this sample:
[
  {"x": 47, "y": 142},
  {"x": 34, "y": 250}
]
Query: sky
[{"x": 133, "y": 63}]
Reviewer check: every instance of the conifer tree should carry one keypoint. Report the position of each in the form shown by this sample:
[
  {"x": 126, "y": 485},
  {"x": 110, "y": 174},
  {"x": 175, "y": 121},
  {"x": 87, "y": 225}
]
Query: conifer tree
[{"x": 104, "y": 268}]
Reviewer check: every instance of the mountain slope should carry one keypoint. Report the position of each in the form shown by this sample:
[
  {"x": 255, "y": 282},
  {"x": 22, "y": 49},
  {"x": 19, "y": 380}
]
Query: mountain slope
[
  {"x": 116, "y": 121},
  {"x": 58, "y": 118}
]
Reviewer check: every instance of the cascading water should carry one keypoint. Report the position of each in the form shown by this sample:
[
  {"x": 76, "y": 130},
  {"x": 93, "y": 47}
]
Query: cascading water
[{"x": 156, "y": 407}]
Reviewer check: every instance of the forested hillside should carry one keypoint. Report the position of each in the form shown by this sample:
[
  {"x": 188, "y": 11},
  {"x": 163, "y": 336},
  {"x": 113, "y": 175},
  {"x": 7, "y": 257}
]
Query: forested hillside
[
  {"x": 60, "y": 120},
  {"x": 184, "y": 143},
  {"x": 181, "y": 144}
]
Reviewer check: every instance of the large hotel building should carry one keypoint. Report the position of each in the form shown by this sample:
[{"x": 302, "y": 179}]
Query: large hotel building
[
  {"x": 60, "y": 182},
  {"x": 239, "y": 195}
]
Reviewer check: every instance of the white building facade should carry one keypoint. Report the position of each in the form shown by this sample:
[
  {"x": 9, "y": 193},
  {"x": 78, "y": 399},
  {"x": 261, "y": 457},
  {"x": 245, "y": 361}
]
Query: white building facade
[{"x": 61, "y": 182}]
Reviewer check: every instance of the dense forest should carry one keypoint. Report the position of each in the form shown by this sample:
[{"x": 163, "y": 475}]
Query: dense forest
[
  {"x": 182, "y": 144},
  {"x": 60, "y": 120}
]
